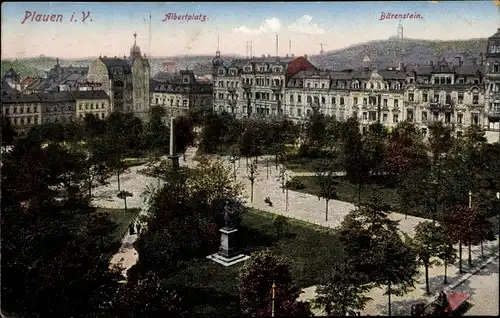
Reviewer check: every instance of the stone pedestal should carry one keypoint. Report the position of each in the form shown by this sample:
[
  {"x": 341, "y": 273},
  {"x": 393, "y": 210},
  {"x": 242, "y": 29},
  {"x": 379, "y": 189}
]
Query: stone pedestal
[
  {"x": 174, "y": 161},
  {"x": 228, "y": 254}
]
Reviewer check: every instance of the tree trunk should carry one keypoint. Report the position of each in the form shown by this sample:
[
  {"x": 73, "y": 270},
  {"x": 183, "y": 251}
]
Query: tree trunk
[
  {"x": 247, "y": 163},
  {"x": 470, "y": 255},
  {"x": 286, "y": 200},
  {"x": 445, "y": 272},
  {"x": 389, "y": 295},
  {"x": 482, "y": 250},
  {"x": 251, "y": 191},
  {"x": 428, "y": 292},
  {"x": 118, "y": 175},
  {"x": 267, "y": 168},
  {"x": 359, "y": 194},
  {"x": 125, "y": 200},
  {"x": 256, "y": 159},
  {"x": 326, "y": 209},
  {"x": 276, "y": 161},
  {"x": 460, "y": 257},
  {"x": 234, "y": 170}
]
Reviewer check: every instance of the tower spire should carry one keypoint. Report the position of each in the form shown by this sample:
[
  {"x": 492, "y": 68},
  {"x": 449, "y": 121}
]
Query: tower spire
[
  {"x": 135, "y": 38},
  {"x": 277, "y": 52},
  {"x": 217, "y": 43}
]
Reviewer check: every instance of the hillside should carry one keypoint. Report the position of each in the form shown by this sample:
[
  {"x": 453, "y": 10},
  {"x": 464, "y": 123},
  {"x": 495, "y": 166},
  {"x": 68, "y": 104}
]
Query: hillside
[{"x": 383, "y": 53}]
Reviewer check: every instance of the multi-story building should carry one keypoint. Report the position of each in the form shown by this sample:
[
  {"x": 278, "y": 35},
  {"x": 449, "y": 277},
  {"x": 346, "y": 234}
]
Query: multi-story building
[
  {"x": 27, "y": 110},
  {"x": 125, "y": 81},
  {"x": 23, "y": 110},
  {"x": 91, "y": 102},
  {"x": 492, "y": 82},
  {"x": 253, "y": 86},
  {"x": 180, "y": 93}
]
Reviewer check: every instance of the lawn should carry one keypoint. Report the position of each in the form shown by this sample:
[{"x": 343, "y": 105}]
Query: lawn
[
  {"x": 122, "y": 218},
  {"x": 311, "y": 250},
  {"x": 348, "y": 192}
]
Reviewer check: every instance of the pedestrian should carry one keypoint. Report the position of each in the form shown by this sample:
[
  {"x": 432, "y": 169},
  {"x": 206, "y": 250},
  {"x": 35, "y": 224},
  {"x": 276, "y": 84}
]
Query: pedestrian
[{"x": 131, "y": 229}]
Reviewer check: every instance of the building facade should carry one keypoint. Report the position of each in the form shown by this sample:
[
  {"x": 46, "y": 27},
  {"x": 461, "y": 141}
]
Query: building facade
[
  {"x": 180, "y": 93},
  {"x": 492, "y": 83},
  {"x": 27, "y": 110},
  {"x": 125, "y": 81},
  {"x": 254, "y": 86}
]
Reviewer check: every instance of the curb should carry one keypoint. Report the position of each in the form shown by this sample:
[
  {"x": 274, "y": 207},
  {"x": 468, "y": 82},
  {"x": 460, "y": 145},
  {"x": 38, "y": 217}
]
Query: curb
[{"x": 466, "y": 276}]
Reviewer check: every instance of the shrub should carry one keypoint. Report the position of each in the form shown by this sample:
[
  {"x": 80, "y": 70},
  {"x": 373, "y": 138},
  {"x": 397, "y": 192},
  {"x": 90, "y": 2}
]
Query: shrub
[{"x": 295, "y": 184}]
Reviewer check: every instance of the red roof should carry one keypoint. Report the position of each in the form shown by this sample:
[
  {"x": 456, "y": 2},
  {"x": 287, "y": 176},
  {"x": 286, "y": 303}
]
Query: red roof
[
  {"x": 28, "y": 81},
  {"x": 297, "y": 65},
  {"x": 455, "y": 299}
]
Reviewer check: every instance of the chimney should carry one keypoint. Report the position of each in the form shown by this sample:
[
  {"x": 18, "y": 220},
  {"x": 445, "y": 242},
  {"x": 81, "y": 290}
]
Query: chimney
[
  {"x": 401, "y": 66},
  {"x": 305, "y": 56},
  {"x": 458, "y": 61},
  {"x": 293, "y": 55},
  {"x": 263, "y": 55},
  {"x": 287, "y": 55},
  {"x": 269, "y": 55}
]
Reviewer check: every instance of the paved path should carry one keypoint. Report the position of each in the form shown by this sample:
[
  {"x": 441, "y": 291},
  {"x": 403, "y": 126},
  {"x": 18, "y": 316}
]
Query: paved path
[
  {"x": 301, "y": 206},
  {"x": 484, "y": 290}
]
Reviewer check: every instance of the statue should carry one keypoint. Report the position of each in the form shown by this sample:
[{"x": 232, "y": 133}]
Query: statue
[{"x": 232, "y": 212}]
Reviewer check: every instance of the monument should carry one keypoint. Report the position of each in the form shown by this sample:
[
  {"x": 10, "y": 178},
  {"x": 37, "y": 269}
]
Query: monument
[
  {"x": 228, "y": 254},
  {"x": 174, "y": 158}
]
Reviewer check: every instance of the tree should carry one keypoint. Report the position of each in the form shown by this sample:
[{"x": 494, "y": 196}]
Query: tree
[
  {"x": 184, "y": 134},
  {"x": 156, "y": 134},
  {"x": 315, "y": 130},
  {"x": 151, "y": 297},
  {"x": 279, "y": 223},
  {"x": 374, "y": 246},
  {"x": 440, "y": 140},
  {"x": 250, "y": 140},
  {"x": 374, "y": 147},
  {"x": 355, "y": 161},
  {"x": 328, "y": 187},
  {"x": 427, "y": 244},
  {"x": 8, "y": 133},
  {"x": 446, "y": 252},
  {"x": 341, "y": 291},
  {"x": 123, "y": 195},
  {"x": 100, "y": 225},
  {"x": 405, "y": 150},
  {"x": 255, "y": 284},
  {"x": 252, "y": 175}
]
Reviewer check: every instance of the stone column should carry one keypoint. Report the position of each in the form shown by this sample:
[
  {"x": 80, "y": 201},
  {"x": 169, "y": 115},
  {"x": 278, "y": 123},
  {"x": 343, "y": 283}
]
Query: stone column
[{"x": 174, "y": 159}]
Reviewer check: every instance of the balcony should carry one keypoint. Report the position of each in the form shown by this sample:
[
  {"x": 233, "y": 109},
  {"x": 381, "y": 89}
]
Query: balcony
[
  {"x": 246, "y": 86},
  {"x": 231, "y": 90},
  {"x": 276, "y": 88}
]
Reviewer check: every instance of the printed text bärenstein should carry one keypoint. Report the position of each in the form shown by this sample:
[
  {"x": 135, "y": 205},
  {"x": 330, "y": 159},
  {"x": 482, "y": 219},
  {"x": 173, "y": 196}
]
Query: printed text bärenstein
[{"x": 399, "y": 16}]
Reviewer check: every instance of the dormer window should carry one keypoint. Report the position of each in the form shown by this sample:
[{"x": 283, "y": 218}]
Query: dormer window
[
  {"x": 247, "y": 68},
  {"x": 233, "y": 72},
  {"x": 221, "y": 71}
]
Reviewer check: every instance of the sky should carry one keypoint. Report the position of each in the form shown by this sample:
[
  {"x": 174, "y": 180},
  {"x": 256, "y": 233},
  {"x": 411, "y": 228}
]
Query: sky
[{"x": 109, "y": 27}]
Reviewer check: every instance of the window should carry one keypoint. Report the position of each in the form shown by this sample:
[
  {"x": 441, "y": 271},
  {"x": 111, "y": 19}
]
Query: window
[
  {"x": 461, "y": 81},
  {"x": 384, "y": 118},
  {"x": 495, "y": 68},
  {"x": 299, "y": 112},
  {"x": 28, "y": 109},
  {"x": 323, "y": 100},
  {"x": 424, "y": 97},
  {"x": 410, "y": 97},
  {"x": 365, "y": 116},
  {"x": 323, "y": 85},
  {"x": 447, "y": 118},
  {"x": 315, "y": 85},
  {"x": 341, "y": 100},
  {"x": 6, "y": 110},
  {"x": 291, "y": 98},
  {"x": 448, "y": 80},
  {"x": 80, "y": 106},
  {"x": 435, "y": 116},
  {"x": 475, "y": 99},
  {"x": 448, "y": 99},
  {"x": 395, "y": 118},
  {"x": 460, "y": 118},
  {"x": 372, "y": 116},
  {"x": 299, "y": 98},
  {"x": 424, "y": 132},
  {"x": 396, "y": 103},
  {"x": 334, "y": 101},
  {"x": 385, "y": 102},
  {"x": 459, "y": 134},
  {"x": 102, "y": 105},
  {"x": 35, "y": 109},
  {"x": 365, "y": 101},
  {"x": 308, "y": 112},
  {"x": 409, "y": 115},
  {"x": 156, "y": 101},
  {"x": 308, "y": 84},
  {"x": 475, "y": 119},
  {"x": 29, "y": 120},
  {"x": 424, "y": 116},
  {"x": 185, "y": 103},
  {"x": 355, "y": 100},
  {"x": 15, "y": 121},
  {"x": 436, "y": 98},
  {"x": 460, "y": 98},
  {"x": 102, "y": 115},
  {"x": 21, "y": 110},
  {"x": 22, "y": 121}
]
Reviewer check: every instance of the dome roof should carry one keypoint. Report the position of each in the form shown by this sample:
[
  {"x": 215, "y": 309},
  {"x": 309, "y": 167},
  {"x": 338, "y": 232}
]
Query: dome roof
[{"x": 135, "y": 49}]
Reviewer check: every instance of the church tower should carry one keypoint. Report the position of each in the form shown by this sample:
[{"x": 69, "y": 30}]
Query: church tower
[
  {"x": 217, "y": 61},
  {"x": 140, "y": 81}
]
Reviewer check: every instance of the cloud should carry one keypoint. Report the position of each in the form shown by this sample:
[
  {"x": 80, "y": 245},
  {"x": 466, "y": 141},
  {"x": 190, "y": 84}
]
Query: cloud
[
  {"x": 303, "y": 25},
  {"x": 269, "y": 25}
]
